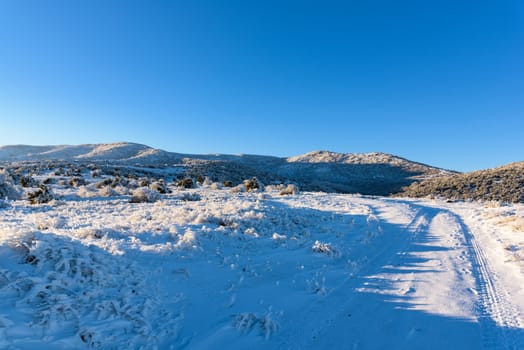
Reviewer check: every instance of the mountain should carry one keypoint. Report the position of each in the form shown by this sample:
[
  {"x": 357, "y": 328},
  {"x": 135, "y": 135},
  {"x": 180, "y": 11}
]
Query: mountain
[
  {"x": 120, "y": 152},
  {"x": 504, "y": 183},
  {"x": 366, "y": 173}
]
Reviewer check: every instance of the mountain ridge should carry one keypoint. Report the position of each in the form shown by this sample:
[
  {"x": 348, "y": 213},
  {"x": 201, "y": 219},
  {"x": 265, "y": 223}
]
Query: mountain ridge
[
  {"x": 367, "y": 173},
  {"x": 127, "y": 151},
  {"x": 504, "y": 183}
]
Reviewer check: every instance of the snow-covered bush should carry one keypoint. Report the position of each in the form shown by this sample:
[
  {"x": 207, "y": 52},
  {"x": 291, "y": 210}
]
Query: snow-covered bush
[
  {"x": 268, "y": 325},
  {"x": 28, "y": 181},
  {"x": 65, "y": 283},
  {"x": 190, "y": 197},
  {"x": 7, "y": 188},
  {"x": 44, "y": 222},
  {"x": 317, "y": 284},
  {"x": 159, "y": 186},
  {"x": 42, "y": 195},
  {"x": 104, "y": 183},
  {"x": 96, "y": 173},
  {"x": 187, "y": 240},
  {"x": 113, "y": 182},
  {"x": 247, "y": 321},
  {"x": 86, "y": 192},
  {"x": 200, "y": 179},
  {"x": 290, "y": 189},
  {"x": 253, "y": 185},
  {"x": 238, "y": 189},
  {"x": 186, "y": 183},
  {"x": 107, "y": 192},
  {"x": 77, "y": 181},
  {"x": 325, "y": 248},
  {"x": 121, "y": 190},
  {"x": 207, "y": 182},
  {"x": 92, "y": 191},
  {"x": 144, "y": 195},
  {"x": 215, "y": 186}
]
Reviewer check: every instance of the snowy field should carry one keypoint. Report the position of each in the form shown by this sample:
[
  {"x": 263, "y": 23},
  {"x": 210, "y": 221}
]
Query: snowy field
[{"x": 210, "y": 269}]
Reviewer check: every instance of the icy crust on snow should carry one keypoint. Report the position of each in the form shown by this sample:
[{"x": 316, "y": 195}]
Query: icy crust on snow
[{"x": 209, "y": 268}]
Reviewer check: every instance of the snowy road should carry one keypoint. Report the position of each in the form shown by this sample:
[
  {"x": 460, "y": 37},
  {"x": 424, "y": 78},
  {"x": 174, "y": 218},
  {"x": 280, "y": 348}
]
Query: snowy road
[{"x": 311, "y": 271}]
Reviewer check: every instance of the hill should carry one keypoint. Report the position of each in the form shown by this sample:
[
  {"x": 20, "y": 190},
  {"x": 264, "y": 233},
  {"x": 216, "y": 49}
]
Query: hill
[
  {"x": 366, "y": 173},
  {"x": 504, "y": 183}
]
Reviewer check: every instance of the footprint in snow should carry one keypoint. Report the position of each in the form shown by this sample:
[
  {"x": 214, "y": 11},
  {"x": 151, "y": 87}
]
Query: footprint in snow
[{"x": 411, "y": 290}]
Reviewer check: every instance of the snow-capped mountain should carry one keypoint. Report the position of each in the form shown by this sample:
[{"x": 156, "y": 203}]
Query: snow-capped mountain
[
  {"x": 368, "y": 173},
  {"x": 121, "y": 151}
]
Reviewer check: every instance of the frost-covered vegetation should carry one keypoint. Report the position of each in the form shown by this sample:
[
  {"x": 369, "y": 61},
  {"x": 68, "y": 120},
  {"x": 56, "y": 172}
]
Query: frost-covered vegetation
[
  {"x": 366, "y": 173},
  {"x": 8, "y": 190},
  {"x": 504, "y": 184},
  {"x": 114, "y": 256}
]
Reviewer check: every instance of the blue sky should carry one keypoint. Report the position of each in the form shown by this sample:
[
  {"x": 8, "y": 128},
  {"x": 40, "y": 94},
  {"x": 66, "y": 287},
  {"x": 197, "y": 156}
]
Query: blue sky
[{"x": 441, "y": 82}]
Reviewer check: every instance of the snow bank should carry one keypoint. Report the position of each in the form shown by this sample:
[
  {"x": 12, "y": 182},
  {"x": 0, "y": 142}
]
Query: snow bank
[{"x": 207, "y": 268}]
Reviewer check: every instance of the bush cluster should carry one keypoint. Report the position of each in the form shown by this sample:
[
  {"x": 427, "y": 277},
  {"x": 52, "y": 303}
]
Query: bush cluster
[
  {"x": 185, "y": 183},
  {"x": 28, "y": 181},
  {"x": 253, "y": 185},
  {"x": 505, "y": 184},
  {"x": 144, "y": 195},
  {"x": 42, "y": 195}
]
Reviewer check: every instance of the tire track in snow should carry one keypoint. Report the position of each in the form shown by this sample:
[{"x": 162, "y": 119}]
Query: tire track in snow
[
  {"x": 500, "y": 321},
  {"x": 386, "y": 251}
]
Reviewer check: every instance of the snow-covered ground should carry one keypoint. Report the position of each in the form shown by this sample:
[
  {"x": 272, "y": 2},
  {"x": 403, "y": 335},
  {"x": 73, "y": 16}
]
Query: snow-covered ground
[{"x": 209, "y": 269}]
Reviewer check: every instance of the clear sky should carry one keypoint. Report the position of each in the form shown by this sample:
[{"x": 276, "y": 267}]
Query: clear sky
[{"x": 440, "y": 82}]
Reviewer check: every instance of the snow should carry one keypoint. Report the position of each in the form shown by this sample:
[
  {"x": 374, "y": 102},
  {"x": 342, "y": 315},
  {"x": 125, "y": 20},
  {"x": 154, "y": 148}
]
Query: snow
[
  {"x": 120, "y": 151},
  {"x": 367, "y": 173},
  {"x": 209, "y": 268},
  {"x": 349, "y": 158}
]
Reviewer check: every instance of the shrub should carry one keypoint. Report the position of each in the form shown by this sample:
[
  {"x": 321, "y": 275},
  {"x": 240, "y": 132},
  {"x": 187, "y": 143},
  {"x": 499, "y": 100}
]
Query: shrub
[
  {"x": 290, "y": 189},
  {"x": 200, "y": 179},
  {"x": 190, "y": 197},
  {"x": 246, "y": 322},
  {"x": 504, "y": 184},
  {"x": 215, "y": 186},
  {"x": 185, "y": 183},
  {"x": 107, "y": 192},
  {"x": 119, "y": 181},
  {"x": 159, "y": 186},
  {"x": 7, "y": 188},
  {"x": 144, "y": 195},
  {"x": 253, "y": 185},
  {"x": 42, "y": 195},
  {"x": 238, "y": 189},
  {"x": 325, "y": 248},
  {"x": 103, "y": 183},
  {"x": 28, "y": 181},
  {"x": 77, "y": 182},
  {"x": 49, "y": 181}
]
